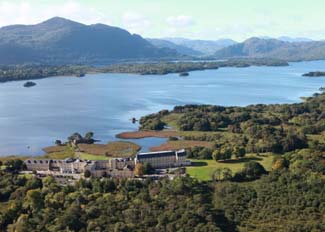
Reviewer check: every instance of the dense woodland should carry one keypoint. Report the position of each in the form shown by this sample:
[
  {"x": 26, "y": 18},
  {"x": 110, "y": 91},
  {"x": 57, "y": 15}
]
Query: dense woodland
[
  {"x": 290, "y": 198},
  {"x": 29, "y": 72},
  {"x": 256, "y": 128}
]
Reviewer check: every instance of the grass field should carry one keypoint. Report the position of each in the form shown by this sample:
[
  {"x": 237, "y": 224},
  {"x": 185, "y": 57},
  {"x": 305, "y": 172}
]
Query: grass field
[
  {"x": 66, "y": 153},
  {"x": 86, "y": 156},
  {"x": 53, "y": 149},
  {"x": 113, "y": 149},
  {"x": 89, "y": 152},
  {"x": 203, "y": 169},
  {"x": 171, "y": 120}
]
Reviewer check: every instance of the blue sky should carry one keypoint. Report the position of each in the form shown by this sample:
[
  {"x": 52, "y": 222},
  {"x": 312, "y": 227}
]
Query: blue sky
[{"x": 205, "y": 19}]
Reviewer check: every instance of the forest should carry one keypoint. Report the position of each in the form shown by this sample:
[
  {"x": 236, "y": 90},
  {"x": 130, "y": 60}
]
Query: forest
[{"x": 289, "y": 198}]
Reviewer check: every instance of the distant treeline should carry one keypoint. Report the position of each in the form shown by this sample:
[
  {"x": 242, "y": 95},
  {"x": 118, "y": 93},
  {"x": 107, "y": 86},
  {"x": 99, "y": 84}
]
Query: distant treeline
[
  {"x": 179, "y": 67},
  {"x": 29, "y": 72}
]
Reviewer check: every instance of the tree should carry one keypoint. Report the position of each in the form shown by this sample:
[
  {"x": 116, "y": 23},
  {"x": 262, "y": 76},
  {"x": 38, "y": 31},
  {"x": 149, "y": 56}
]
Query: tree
[
  {"x": 14, "y": 166},
  {"x": 205, "y": 153},
  {"x": 239, "y": 152},
  {"x": 139, "y": 169},
  {"x": 279, "y": 163},
  {"x": 34, "y": 199},
  {"x": 58, "y": 142},
  {"x": 148, "y": 169},
  {"x": 251, "y": 171},
  {"x": 226, "y": 174},
  {"x": 71, "y": 218},
  {"x": 223, "y": 153},
  {"x": 222, "y": 174},
  {"x": 89, "y": 135},
  {"x": 75, "y": 137},
  {"x": 87, "y": 173},
  {"x": 217, "y": 155}
]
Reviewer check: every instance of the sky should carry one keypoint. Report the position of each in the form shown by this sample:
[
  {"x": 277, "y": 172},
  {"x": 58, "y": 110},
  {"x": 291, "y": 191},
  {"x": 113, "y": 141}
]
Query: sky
[{"x": 195, "y": 19}]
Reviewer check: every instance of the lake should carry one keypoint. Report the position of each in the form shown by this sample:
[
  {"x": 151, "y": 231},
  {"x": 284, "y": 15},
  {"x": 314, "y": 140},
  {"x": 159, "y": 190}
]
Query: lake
[{"x": 32, "y": 118}]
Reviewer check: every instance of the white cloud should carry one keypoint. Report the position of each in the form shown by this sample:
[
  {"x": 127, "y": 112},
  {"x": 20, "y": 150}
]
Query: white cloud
[
  {"x": 23, "y": 12},
  {"x": 180, "y": 21},
  {"x": 135, "y": 22}
]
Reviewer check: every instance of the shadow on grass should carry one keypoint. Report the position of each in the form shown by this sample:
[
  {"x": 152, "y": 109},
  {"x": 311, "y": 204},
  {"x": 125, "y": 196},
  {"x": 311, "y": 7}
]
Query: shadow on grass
[
  {"x": 199, "y": 163},
  {"x": 242, "y": 160}
]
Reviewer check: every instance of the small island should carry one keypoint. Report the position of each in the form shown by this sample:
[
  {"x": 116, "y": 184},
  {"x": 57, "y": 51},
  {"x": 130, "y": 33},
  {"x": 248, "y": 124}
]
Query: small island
[
  {"x": 29, "y": 84},
  {"x": 314, "y": 74},
  {"x": 184, "y": 74},
  {"x": 80, "y": 74}
]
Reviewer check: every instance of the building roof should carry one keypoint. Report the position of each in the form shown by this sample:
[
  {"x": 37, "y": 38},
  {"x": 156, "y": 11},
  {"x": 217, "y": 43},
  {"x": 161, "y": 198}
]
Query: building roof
[{"x": 156, "y": 154}]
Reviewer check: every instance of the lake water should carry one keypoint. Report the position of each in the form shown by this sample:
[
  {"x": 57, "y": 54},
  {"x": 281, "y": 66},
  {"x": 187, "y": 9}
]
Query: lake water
[{"x": 104, "y": 103}]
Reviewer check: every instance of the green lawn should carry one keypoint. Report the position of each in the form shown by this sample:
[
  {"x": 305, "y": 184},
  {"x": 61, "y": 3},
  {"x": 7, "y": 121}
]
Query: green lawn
[
  {"x": 203, "y": 169},
  {"x": 86, "y": 156},
  {"x": 27, "y": 176},
  {"x": 171, "y": 120},
  {"x": 67, "y": 153}
]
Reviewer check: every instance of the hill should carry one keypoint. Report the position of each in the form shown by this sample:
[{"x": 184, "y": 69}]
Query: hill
[
  {"x": 207, "y": 47},
  {"x": 63, "y": 41},
  {"x": 273, "y": 48},
  {"x": 161, "y": 43}
]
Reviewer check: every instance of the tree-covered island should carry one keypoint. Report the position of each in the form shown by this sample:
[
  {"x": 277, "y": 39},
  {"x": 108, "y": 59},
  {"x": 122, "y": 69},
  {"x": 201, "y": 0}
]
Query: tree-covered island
[
  {"x": 30, "y": 72},
  {"x": 314, "y": 74}
]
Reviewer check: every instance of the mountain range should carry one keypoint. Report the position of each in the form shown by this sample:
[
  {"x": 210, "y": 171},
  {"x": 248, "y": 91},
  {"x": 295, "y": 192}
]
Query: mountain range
[
  {"x": 274, "y": 48},
  {"x": 206, "y": 47},
  {"x": 185, "y": 50},
  {"x": 60, "y": 41}
]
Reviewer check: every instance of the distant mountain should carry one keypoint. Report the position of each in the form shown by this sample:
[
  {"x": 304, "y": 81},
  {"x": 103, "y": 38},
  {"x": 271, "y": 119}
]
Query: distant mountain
[
  {"x": 287, "y": 39},
  {"x": 273, "y": 48},
  {"x": 63, "y": 41},
  {"x": 294, "y": 40},
  {"x": 207, "y": 47},
  {"x": 161, "y": 43}
]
